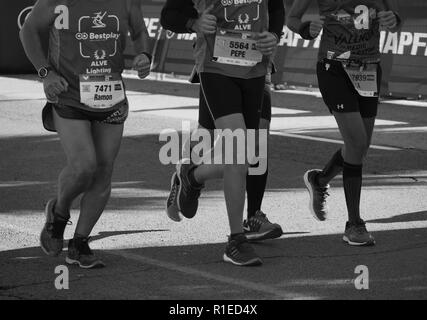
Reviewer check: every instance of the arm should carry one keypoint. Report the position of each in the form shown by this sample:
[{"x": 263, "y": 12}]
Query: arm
[
  {"x": 32, "y": 35},
  {"x": 276, "y": 12},
  {"x": 391, "y": 18},
  {"x": 308, "y": 30},
  {"x": 140, "y": 38},
  {"x": 35, "y": 30},
  {"x": 178, "y": 15}
]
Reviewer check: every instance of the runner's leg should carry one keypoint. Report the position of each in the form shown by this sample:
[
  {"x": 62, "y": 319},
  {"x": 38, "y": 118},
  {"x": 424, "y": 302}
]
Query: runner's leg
[
  {"x": 107, "y": 140},
  {"x": 76, "y": 177}
]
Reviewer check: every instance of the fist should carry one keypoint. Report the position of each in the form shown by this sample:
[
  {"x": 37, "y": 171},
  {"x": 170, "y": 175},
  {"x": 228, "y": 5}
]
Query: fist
[
  {"x": 206, "y": 23},
  {"x": 316, "y": 27},
  {"x": 142, "y": 64},
  {"x": 388, "y": 19}
]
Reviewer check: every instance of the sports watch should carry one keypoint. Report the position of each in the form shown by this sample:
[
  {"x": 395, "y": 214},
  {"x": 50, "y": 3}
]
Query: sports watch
[{"x": 43, "y": 72}]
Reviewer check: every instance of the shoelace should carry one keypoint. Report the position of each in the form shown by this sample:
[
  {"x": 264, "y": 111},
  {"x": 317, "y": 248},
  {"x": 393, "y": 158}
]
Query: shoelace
[
  {"x": 258, "y": 220},
  {"x": 361, "y": 228},
  {"x": 323, "y": 193},
  {"x": 174, "y": 191}
]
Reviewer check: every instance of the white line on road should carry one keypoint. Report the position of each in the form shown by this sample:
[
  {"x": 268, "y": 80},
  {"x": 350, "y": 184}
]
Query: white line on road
[
  {"x": 299, "y": 136},
  {"x": 279, "y": 294}
]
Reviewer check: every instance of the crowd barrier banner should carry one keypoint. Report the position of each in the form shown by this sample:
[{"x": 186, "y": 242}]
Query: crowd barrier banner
[
  {"x": 404, "y": 59},
  {"x": 12, "y": 55}
]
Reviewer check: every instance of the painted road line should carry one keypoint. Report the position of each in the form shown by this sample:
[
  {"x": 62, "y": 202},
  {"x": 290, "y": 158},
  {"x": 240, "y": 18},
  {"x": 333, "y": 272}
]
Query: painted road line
[
  {"x": 249, "y": 285},
  {"x": 299, "y": 136}
]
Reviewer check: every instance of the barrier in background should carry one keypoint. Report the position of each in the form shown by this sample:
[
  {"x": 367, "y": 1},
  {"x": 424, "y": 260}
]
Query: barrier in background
[
  {"x": 12, "y": 56},
  {"x": 404, "y": 53}
]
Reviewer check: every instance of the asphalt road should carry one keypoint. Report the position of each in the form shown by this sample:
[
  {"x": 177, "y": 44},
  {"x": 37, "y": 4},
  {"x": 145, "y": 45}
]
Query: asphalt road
[{"x": 150, "y": 257}]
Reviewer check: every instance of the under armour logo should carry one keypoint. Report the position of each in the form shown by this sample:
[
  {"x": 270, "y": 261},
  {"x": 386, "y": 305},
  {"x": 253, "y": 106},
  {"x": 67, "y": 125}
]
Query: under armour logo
[
  {"x": 97, "y": 20},
  {"x": 340, "y": 107}
]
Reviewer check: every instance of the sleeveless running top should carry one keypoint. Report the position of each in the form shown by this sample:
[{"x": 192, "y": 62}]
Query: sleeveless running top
[
  {"x": 89, "y": 54},
  {"x": 351, "y": 30},
  {"x": 242, "y": 17}
]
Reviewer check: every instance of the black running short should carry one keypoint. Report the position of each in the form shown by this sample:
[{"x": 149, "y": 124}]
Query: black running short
[
  {"x": 207, "y": 122},
  {"x": 227, "y": 95},
  {"x": 116, "y": 116},
  {"x": 339, "y": 93}
]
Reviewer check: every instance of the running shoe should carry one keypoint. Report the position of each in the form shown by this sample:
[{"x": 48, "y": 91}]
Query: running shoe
[
  {"x": 79, "y": 253},
  {"x": 318, "y": 195},
  {"x": 171, "y": 204},
  {"x": 52, "y": 235},
  {"x": 241, "y": 253},
  {"x": 188, "y": 195},
  {"x": 357, "y": 235},
  {"x": 258, "y": 228}
]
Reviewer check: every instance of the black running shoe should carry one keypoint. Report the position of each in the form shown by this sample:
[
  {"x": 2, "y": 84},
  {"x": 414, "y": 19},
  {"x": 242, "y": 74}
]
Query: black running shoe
[
  {"x": 188, "y": 195},
  {"x": 258, "y": 228},
  {"x": 52, "y": 235},
  {"x": 172, "y": 203},
  {"x": 79, "y": 253},
  {"x": 240, "y": 252},
  {"x": 357, "y": 235},
  {"x": 318, "y": 195}
]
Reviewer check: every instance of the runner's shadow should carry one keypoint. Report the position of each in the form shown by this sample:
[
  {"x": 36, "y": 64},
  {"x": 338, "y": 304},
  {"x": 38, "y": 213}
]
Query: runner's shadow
[
  {"x": 107, "y": 234},
  {"x": 407, "y": 217}
]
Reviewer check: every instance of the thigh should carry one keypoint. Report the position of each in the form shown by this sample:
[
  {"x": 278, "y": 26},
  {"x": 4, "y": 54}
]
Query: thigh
[
  {"x": 76, "y": 139},
  {"x": 205, "y": 117},
  {"x": 222, "y": 95},
  {"x": 107, "y": 140},
  {"x": 252, "y": 96},
  {"x": 266, "y": 104},
  {"x": 369, "y": 128},
  {"x": 336, "y": 88},
  {"x": 352, "y": 128}
]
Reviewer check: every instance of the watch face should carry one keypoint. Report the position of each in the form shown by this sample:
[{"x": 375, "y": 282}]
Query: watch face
[{"x": 43, "y": 72}]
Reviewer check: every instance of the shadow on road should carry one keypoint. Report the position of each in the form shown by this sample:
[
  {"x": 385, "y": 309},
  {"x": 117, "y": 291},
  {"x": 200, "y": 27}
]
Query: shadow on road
[
  {"x": 407, "y": 217},
  {"x": 319, "y": 267},
  {"x": 30, "y": 166}
]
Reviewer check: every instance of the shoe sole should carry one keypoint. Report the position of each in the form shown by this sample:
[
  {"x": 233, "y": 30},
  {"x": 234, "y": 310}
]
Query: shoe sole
[
  {"x": 358, "y": 244},
  {"x": 310, "y": 191},
  {"x": 173, "y": 214},
  {"x": 45, "y": 250},
  {"x": 268, "y": 235},
  {"x": 251, "y": 263},
  {"x": 95, "y": 265}
]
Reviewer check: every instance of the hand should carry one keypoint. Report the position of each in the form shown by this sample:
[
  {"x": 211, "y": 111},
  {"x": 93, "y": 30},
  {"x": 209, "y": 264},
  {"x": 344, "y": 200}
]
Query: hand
[
  {"x": 316, "y": 27},
  {"x": 388, "y": 19},
  {"x": 266, "y": 43},
  {"x": 206, "y": 23},
  {"x": 54, "y": 85},
  {"x": 142, "y": 64}
]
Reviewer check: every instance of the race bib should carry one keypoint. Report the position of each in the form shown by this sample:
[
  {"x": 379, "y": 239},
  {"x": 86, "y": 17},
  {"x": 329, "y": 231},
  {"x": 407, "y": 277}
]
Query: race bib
[
  {"x": 364, "y": 79},
  {"x": 101, "y": 91},
  {"x": 236, "y": 48}
]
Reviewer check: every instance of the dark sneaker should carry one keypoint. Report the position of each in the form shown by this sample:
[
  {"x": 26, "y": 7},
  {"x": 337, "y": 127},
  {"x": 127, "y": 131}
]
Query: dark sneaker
[
  {"x": 171, "y": 204},
  {"x": 258, "y": 228},
  {"x": 357, "y": 235},
  {"x": 240, "y": 252},
  {"x": 80, "y": 254},
  {"x": 188, "y": 195},
  {"x": 52, "y": 235},
  {"x": 318, "y": 195}
]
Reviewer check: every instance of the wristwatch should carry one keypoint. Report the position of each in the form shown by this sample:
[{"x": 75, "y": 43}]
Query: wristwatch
[{"x": 43, "y": 72}]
